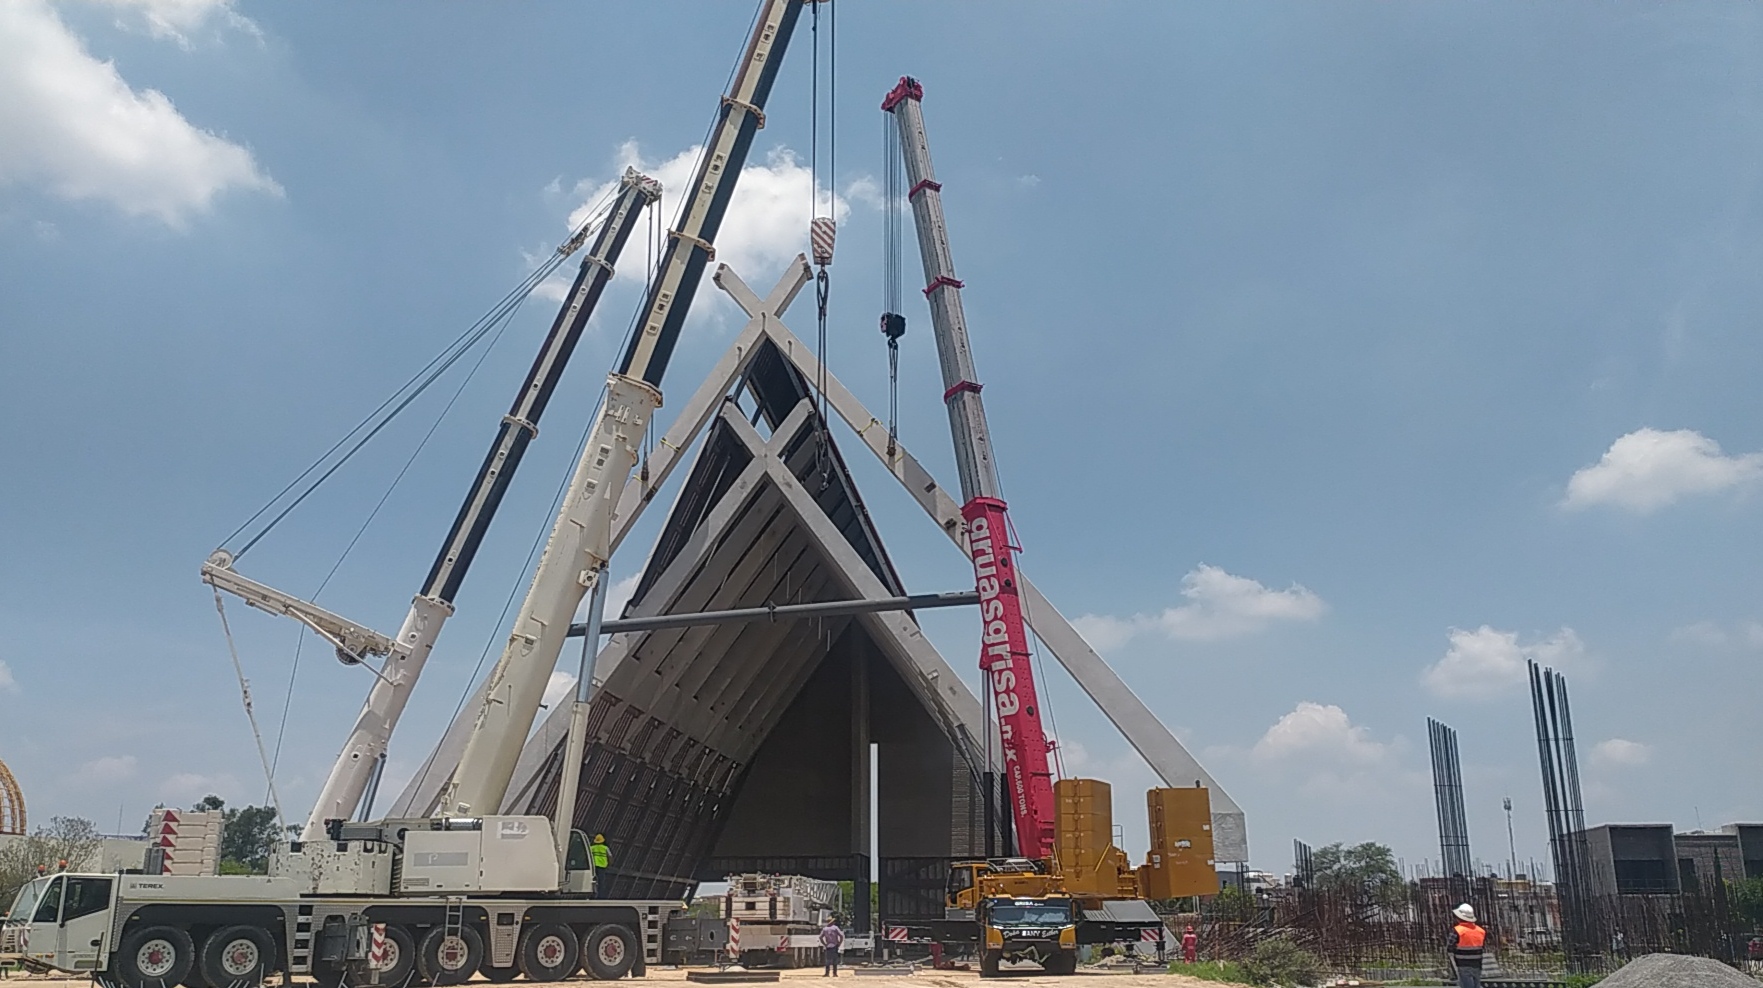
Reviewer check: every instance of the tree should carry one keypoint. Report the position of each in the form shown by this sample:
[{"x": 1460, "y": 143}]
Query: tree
[
  {"x": 1366, "y": 871},
  {"x": 70, "y": 839},
  {"x": 246, "y": 837},
  {"x": 1747, "y": 899},
  {"x": 210, "y": 802}
]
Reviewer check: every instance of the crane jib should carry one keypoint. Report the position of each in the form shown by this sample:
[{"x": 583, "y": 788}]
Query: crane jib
[
  {"x": 690, "y": 247},
  {"x": 520, "y": 425}
]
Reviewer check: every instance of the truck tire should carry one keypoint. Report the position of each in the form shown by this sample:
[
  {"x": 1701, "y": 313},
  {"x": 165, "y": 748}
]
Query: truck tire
[
  {"x": 236, "y": 956},
  {"x": 609, "y": 951},
  {"x": 399, "y": 961},
  {"x": 155, "y": 957},
  {"x": 988, "y": 963},
  {"x": 448, "y": 959},
  {"x": 549, "y": 952}
]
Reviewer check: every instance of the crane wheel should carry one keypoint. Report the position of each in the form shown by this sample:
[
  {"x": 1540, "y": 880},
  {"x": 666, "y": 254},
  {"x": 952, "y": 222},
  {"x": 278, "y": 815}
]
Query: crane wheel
[
  {"x": 394, "y": 967},
  {"x": 549, "y": 952},
  {"x": 155, "y": 956},
  {"x": 449, "y": 958},
  {"x": 609, "y": 951},
  {"x": 236, "y": 956},
  {"x": 500, "y": 975}
]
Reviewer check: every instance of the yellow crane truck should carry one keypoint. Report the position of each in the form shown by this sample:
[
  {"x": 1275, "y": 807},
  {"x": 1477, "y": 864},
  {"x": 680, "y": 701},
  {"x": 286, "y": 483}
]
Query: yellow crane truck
[{"x": 1042, "y": 909}]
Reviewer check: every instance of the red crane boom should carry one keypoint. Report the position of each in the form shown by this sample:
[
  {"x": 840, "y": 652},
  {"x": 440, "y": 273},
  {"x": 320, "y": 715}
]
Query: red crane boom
[{"x": 1004, "y": 653}]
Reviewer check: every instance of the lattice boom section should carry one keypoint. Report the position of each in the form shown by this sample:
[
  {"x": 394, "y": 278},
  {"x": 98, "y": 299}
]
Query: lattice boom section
[{"x": 12, "y": 819}]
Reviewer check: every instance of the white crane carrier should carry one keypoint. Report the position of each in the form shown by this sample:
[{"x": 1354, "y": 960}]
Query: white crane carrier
[{"x": 437, "y": 900}]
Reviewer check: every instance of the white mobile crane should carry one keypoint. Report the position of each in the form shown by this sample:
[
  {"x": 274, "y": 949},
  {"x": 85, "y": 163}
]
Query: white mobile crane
[{"x": 447, "y": 897}]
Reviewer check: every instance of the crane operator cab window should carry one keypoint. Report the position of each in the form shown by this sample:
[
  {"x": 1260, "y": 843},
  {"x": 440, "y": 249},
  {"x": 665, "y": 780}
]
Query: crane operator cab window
[
  {"x": 85, "y": 896},
  {"x": 49, "y": 905},
  {"x": 577, "y": 859},
  {"x": 578, "y": 865},
  {"x": 960, "y": 880}
]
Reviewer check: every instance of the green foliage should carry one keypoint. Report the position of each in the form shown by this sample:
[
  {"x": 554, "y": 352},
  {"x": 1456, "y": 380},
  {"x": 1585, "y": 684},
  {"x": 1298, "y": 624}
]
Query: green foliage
[
  {"x": 1581, "y": 980},
  {"x": 1278, "y": 961},
  {"x": 1233, "y": 905},
  {"x": 1747, "y": 899},
  {"x": 64, "y": 838},
  {"x": 1228, "y": 972},
  {"x": 246, "y": 837},
  {"x": 1367, "y": 871}
]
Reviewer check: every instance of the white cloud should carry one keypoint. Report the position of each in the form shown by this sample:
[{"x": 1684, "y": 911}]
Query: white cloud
[
  {"x": 557, "y": 688},
  {"x": 1486, "y": 662},
  {"x": 105, "y": 771},
  {"x": 619, "y": 594},
  {"x": 1219, "y": 605},
  {"x": 767, "y": 219},
  {"x": 177, "y": 20},
  {"x": 1322, "y": 732},
  {"x": 1649, "y": 469},
  {"x": 1620, "y": 753},
  {"x": 1710, "y": 634},
  {"x": 72, "y": 125},
  {"x": 186, "y": 788},
  {"x": 7, "y": 683}
]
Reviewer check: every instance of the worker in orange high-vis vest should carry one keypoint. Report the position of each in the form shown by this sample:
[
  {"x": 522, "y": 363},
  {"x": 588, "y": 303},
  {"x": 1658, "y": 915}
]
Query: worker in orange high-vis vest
[{"x": 1465, "y": 945}]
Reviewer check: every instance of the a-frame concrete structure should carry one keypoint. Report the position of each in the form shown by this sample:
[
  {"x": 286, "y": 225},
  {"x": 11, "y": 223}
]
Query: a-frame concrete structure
[{"x": 737, "y": 747}]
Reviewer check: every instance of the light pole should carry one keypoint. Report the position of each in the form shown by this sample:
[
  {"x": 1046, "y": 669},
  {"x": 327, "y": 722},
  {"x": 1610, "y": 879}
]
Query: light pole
[{"x": 1511, "y": 845}]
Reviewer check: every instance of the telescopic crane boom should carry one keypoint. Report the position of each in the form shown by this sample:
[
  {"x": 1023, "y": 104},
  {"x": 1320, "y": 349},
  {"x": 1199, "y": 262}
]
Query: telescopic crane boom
[
  {"x": 1004, "y": 655},
  {"x": 405, "y": 654},
  {"x": 574, "y": 562}
]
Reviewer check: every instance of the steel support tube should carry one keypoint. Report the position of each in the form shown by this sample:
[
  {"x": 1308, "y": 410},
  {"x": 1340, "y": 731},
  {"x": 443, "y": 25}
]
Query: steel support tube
[{"x": 774, "y": 612}]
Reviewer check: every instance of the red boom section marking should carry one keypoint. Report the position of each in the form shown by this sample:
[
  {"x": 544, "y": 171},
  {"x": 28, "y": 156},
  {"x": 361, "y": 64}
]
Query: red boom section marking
[{"x": 1004, "y": 658}]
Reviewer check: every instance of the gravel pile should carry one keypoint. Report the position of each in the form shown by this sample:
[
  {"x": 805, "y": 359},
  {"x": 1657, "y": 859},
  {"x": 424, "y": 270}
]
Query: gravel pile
[{"x": 1676, "y": 971}]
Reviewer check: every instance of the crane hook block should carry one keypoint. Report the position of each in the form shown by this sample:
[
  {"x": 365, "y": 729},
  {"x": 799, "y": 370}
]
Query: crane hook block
[
  {"x": 821, "y": 233},
  {"x": 893, "y": 325}
]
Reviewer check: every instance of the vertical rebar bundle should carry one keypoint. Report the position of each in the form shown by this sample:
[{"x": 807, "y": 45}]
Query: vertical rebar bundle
[
  {"x": 1447, "y": 788},
  {"x": 1565, "y": 811}
]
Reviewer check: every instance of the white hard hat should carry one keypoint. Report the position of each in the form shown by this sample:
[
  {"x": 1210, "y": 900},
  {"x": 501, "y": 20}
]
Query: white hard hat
[{"x": 1465, "y": 912}]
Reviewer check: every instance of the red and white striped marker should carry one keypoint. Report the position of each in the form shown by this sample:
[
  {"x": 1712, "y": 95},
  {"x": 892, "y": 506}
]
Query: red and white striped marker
[
  {"x": 783, "y": 944},
  {"x": 899, "y": 934},
  {"x": 734, "y": 938},
  {"x": 821, "y": 234},
  {"x": 1151, "y": 936}
]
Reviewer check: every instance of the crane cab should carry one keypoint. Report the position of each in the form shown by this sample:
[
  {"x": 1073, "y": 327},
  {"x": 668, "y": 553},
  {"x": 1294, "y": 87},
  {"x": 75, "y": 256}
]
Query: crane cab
[{"x": 61, "y": 921}]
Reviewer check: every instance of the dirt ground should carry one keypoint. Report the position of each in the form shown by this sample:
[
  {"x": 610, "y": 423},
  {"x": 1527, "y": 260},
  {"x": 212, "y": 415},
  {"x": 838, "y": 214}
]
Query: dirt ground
[{"x": 924, "y": 978}]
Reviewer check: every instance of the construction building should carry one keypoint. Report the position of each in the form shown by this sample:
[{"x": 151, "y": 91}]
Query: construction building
[{"x": 746, "y": 747}]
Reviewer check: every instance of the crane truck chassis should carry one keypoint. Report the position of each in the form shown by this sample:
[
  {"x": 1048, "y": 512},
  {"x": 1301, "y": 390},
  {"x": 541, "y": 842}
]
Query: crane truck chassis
[{"x": 360, "y": 916}]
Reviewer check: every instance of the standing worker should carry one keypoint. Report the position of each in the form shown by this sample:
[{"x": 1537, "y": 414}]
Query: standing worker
[
  {"x": 1465, "y": 945},
  {"x": 1190, "y": 946},
  {"x": 599, "y": 853},
  {"x": 831, "y": 939}
]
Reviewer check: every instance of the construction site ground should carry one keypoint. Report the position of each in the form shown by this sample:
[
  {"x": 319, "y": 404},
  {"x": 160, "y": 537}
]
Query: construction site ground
[{"x": 923, "y": 978}]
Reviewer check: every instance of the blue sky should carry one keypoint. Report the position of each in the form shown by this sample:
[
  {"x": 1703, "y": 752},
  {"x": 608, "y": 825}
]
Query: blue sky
[{"x": 1340, "y": 357}]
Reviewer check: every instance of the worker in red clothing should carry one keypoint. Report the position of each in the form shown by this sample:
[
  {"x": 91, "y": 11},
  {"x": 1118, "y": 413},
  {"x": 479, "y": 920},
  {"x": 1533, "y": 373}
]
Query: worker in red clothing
[
  {"x": 1190, "y": 946},
  {"x": 1465, "y": 945}
]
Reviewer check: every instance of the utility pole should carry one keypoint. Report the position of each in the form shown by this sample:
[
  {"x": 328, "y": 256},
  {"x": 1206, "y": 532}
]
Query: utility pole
[{"x": 1511, "y": 845}]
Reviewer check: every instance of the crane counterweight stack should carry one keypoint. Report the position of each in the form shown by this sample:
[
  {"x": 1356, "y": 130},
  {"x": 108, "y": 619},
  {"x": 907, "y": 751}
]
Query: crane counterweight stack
[{"x": 1005, "y": 657}]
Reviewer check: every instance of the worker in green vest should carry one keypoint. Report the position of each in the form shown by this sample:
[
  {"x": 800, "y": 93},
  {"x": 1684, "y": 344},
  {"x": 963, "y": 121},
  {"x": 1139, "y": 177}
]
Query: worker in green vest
[{"x": 599, "y": 853}]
